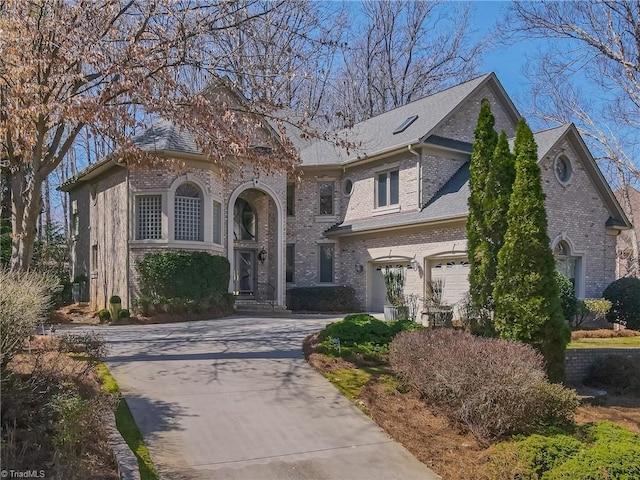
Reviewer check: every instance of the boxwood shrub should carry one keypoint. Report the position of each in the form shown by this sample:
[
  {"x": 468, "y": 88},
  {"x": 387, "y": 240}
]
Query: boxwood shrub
[
  {"x": 184, "y": 282},
  {"x": 322, "y": 299}
]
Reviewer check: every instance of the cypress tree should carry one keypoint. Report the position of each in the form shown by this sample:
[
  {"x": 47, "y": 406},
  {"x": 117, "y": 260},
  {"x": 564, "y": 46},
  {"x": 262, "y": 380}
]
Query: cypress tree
[
  {"x": 495, "y": 207},
  {"x": 526, "y": 294},
  {"x": 484, "y": 145}
]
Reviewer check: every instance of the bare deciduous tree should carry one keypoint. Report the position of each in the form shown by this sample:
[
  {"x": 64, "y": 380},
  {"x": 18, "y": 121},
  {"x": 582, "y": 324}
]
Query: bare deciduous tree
[
  {"x": 73, "y": 66},
  {"x": 589, "y": 75},
  {"x": 407, "y": 50}
]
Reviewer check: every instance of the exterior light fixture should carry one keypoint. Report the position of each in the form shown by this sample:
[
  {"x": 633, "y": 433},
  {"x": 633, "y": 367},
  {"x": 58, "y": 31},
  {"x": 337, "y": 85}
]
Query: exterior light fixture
[
  {"x": 414, "y": 264},
  {"x": 262, "y": 255},
  {"x": 359, "y": 267}
]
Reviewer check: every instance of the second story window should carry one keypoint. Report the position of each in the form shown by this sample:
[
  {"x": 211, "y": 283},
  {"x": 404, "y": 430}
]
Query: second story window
[
  {"x": 188, "y": 213},
  {"x": 325, "y": 190},
  {"x": 291, "y": 199},
  {"x": 387, "y": 188}
]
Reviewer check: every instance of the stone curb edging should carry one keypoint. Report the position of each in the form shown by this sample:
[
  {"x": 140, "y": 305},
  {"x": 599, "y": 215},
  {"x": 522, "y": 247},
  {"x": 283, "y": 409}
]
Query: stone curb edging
[{"x": 126, "y": 461}]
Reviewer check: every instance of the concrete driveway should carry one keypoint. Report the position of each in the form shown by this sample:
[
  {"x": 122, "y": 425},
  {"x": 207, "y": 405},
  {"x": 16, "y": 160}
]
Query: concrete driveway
[{"x": 235, "y": 399}]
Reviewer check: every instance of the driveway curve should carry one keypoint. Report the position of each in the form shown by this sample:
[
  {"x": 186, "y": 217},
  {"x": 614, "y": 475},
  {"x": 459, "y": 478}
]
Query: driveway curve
[{"x": 235, "y": 399}]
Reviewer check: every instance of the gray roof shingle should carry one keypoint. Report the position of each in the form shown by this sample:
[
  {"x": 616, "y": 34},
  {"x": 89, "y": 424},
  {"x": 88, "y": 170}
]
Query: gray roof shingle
[
  {"x": 376, "y": 135},
  {"x": 449, "y": 202},
  {"x": 163, "y": 135}
]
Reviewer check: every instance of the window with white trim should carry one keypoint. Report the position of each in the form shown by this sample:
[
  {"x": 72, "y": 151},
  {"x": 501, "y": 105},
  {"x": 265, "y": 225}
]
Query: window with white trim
[
  {"x": 217, "y": 222},
  {"x": 325, "y": 190},
  {"x": 149, "y": 217},
  {"x": 387, "y": 188},
  {"x": 188, "y": 213},
  {"x": 326, "y": 263}
]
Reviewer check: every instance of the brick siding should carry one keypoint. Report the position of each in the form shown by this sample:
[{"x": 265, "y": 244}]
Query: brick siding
[{"x": 579, "y": 361}]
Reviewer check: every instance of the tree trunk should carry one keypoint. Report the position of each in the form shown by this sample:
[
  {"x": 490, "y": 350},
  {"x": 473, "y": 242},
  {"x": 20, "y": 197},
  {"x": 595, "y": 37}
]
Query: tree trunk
[{"x": 26, "y": 204}]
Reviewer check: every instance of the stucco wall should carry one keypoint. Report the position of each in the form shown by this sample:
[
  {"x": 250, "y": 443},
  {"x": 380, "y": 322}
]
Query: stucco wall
[{"x": 576, "y": 212}]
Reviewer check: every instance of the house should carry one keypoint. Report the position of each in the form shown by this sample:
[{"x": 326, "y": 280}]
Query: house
[
  {"x": 628, "y": 246},
  {"x": 399, "y": 198}
]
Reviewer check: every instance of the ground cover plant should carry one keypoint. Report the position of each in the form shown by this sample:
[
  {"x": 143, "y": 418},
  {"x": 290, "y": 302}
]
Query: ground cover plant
[
  {"x": 596, "y": 451},
  {"x": 127, "y": 426},
  {"x": 362, "y": 335},
  {"x": 451, "y": 450}
]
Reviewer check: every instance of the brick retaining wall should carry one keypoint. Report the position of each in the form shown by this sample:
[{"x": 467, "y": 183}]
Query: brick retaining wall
[{"x": 578, "y": 361}]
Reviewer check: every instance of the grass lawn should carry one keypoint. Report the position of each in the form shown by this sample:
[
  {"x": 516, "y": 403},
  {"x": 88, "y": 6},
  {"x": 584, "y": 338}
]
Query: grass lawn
[
  {"x": 127, "y": 427},
  {"x": 616, "y": 342}
]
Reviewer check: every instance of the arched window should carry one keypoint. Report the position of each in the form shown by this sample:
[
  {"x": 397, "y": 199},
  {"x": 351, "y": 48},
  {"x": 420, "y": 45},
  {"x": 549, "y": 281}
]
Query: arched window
[
  {"x": 188, "y": 213},
  {"x": 244, "y": 220},
  {"x": 565, "y": 262}
]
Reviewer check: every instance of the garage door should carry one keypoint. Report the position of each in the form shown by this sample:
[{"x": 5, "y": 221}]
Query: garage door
[
  {"x": 455, "y": 273},
  {"x": 378, "y": 290}
]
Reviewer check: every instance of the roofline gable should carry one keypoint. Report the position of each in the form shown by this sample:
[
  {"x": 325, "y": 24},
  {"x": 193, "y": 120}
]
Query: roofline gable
[
  {"x": 602, "y": 186},
  {"x": 491, "y": 80}
]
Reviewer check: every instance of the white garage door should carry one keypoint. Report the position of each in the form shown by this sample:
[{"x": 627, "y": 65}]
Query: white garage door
[
  {"x": 378, "y": 290},
  {"x": 455, "y": 273}
]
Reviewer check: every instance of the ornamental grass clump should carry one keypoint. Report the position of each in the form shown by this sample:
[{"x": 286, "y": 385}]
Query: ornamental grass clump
[{"x": 492, "y": 387}]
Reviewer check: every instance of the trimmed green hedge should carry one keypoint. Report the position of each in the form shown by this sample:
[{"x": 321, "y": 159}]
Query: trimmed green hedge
[
  {"x": 322, "y": 299},
  {"x": 184, "y": 282},
  {"x": 189, "y": 275}
]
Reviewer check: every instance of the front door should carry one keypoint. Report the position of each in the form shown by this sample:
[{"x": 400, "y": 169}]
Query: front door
[{"x": 245, "y": 274}]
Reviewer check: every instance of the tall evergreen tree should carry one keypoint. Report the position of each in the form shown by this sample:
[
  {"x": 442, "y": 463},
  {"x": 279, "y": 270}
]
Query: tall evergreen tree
[
  {"x": 495, "y": 206},
  {"x": 484, "y": 145},
  {"x": 526, "y": 293}
]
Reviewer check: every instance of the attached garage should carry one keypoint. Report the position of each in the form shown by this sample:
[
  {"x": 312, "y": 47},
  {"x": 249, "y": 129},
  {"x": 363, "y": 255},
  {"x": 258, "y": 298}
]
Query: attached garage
[
  {"x": 455, "y": 273},
  {"x": 377, "y": 292}
]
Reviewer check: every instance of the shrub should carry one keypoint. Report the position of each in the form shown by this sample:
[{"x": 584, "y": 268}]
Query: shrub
[
  {"x": 24, "y": 300},
  {"x": 322, "y": 299},
  {"x": 491, "y": 386},
  {"x": 188, "y": 275},
  {"x": 361, "y": 334},
  {"x": 614, "y": 454},
  {"x": 601, "y": 451},
  {"x": 568, "y": 299},
  {"x": 624, "y": 295},
  {"x": 115, "y": 299},
  {"x": 616, "y": 374},
  {"x": 603, "y": 333},
  {"x": 124, "y": 313},
  {"x": 530, "y": 457},
  {"x": 104, "y": 315}
]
